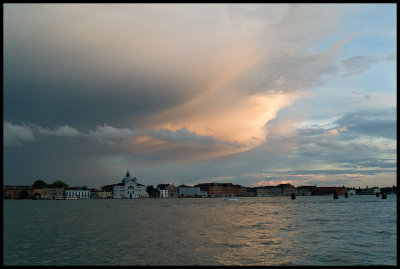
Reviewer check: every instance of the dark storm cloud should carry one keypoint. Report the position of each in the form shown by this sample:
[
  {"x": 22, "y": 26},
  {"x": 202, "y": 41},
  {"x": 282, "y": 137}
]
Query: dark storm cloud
[
  {"x": 73, "y": 161},
  {"x": 85, "y": 103},
  {"x": 50, "y": 81}
]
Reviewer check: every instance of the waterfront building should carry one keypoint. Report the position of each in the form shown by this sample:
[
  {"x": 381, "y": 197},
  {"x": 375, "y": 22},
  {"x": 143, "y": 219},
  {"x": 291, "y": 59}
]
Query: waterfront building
[
  {"x": 287, "y": 189},
  {"x": 21, "y": 192},
  {"x": 141, "y": 190},
  {"x": 218, "y": 189},
  {"x": 104, "y": 194},
  {"x": 368, "y": 191},
  {"x": 241, "y": 191},
  {"x": 251, "y": 191},
  {"x": 52, "y": 193},
  {"x": 37, "y": 193},
  {"x": 329, "y": 190},
  {"x": 163, "y": 193},
  {"x": 268, "y": 191},
  {"x": 80, "y": 194},
  {"x": 94, "y": 194},
  {"x": 129, "y": 188},
  {"x": 305, "y": 190},
  {"x": 373, "y": 190},
  {"x": 187, "y": 191},
  {"x": 108, "y": 188},
  {"x": 118, "y": 191},
  {"x": 389, "y": 190},
  {"x": 173, "y": 191}
]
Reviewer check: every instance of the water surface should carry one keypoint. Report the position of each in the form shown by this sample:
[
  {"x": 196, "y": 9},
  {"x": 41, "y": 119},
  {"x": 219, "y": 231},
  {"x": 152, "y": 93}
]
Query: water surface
[{"x": 315, "y": 230}]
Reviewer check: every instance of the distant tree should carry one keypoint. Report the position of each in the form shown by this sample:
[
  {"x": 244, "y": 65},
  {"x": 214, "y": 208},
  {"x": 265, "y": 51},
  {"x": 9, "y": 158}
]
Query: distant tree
[
  {"x": 85, "y": 188},
  {"x": 153, "y": 192},
  {"x": 149, "y": 189},
  {"x": 40, "y": 184},
  {"x": 59, "y": 184}
]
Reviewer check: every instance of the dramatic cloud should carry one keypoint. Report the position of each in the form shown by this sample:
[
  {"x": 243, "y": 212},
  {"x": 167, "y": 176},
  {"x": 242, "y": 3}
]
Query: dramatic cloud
[
  {"x": 108, "y": 133},
  {"x": 212, "y": 91},
  {"x": 15, "y": 134},
  {"x": 229, "y": 89}
]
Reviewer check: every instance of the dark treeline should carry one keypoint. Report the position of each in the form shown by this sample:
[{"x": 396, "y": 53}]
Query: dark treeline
[{"x": 40, "y": 184}]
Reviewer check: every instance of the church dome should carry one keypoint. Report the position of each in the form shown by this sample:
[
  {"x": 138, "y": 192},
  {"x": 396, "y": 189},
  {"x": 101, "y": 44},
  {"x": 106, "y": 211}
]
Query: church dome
[{"x": 127, "y": 177}]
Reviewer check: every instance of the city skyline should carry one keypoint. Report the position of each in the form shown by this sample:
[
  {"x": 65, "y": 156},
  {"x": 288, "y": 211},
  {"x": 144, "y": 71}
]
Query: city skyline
[{"x": 253, "y": 94}]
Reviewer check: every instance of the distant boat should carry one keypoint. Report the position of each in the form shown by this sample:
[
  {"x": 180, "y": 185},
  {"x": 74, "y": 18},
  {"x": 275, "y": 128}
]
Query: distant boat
[{"x": 230, "y": 198}]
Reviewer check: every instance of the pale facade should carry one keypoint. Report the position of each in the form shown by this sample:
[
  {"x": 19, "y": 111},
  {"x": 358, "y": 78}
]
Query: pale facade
[
  {"x": 80, "y": 194},
  {"x": 104, "y": 194},
  {"x": 141, "y": 190},
  {"x": 163, "y": 193},
  {"x": 129, "y": 188}
]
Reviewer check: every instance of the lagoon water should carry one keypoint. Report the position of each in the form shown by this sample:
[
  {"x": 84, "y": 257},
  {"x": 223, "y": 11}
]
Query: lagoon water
[{"x": 313, "y": 230}]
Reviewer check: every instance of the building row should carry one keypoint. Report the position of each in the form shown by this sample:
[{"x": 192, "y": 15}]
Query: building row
[
  {"x": 129, "y": 188},
  {"x": 28, "y": 192}
]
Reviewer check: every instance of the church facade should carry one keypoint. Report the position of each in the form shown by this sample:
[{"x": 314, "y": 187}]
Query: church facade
[{"x": 129, "y": 188}]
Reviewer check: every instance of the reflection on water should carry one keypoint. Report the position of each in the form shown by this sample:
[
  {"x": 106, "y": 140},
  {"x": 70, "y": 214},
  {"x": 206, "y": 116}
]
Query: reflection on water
[{"x": 360, "y": 230}]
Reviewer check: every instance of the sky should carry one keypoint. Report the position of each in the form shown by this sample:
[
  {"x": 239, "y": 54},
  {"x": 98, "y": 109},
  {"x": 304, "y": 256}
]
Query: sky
[{"x": 251, "y": 94}]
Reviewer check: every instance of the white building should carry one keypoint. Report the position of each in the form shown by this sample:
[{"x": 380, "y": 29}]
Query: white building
[
  {"x": 163, "y": 193},
  {"x": 80, "y": 194},
  {"x": 351, "y": 192},
  {"x": 129, "y": 188}
]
